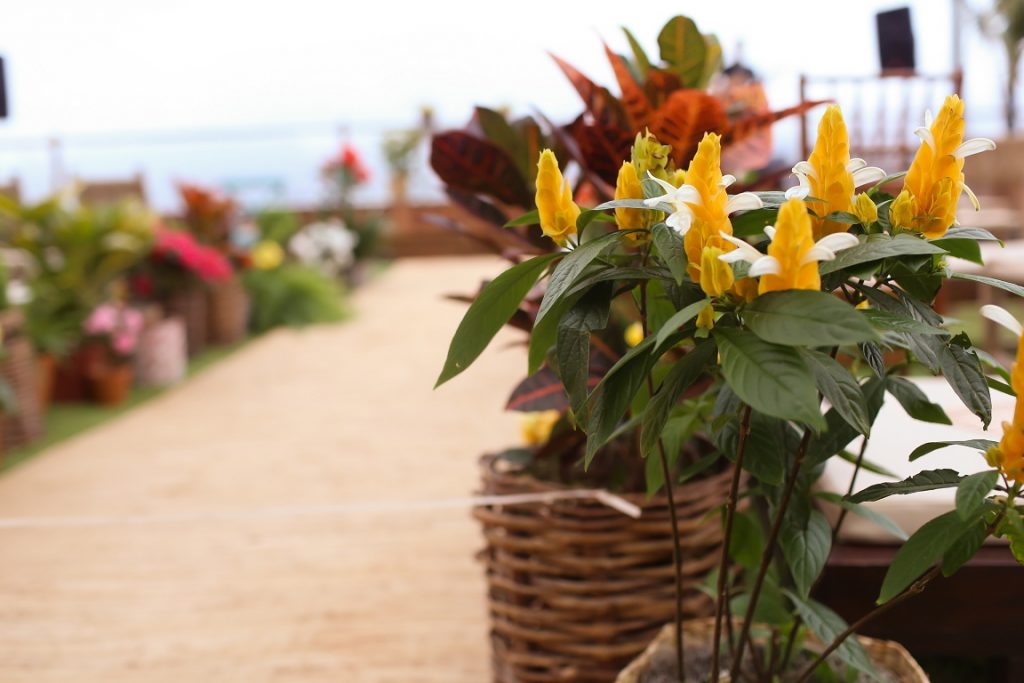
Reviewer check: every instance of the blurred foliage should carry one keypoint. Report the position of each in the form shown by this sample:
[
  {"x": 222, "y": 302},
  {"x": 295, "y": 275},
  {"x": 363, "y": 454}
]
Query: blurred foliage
[{"x": 292, "y": 295}]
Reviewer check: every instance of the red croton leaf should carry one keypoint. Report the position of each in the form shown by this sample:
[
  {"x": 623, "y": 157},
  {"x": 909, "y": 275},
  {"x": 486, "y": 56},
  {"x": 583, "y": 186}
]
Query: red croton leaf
[
  {"x": 477, "y": 166},
  {"x": 683, "y": 120},
  {"x": 638, "y": 108},
  {"x": 601, "y": 148},
  {"x": 600, "y": 103},
  {"x": 543, "y": 389}
]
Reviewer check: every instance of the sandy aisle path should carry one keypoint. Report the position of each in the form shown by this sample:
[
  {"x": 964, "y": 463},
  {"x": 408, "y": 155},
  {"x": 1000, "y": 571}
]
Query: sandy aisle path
[{"x": 323, "y": 416}]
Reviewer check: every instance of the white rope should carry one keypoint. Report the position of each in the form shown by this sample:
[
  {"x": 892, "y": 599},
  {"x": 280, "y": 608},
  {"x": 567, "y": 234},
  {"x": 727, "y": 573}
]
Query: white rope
[{"x": 604, "y": 497}]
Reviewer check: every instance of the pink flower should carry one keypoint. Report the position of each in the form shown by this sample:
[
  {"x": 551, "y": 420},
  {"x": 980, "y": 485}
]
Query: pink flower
[
  {"x": 124, "y": 343},
  {"x": 180, "y": 248}
]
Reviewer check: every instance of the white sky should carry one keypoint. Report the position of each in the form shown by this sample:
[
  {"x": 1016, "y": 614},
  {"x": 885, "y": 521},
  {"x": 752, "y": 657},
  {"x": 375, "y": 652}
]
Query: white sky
[{"x": 79, "y": 66}]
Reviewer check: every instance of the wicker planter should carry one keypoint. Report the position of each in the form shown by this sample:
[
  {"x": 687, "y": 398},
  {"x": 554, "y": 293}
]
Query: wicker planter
[
  {"x": 189, "y": 303},
  {"x": 891, "y": 659},
  {"x": 20, "y": 369},
  {"x": 162, "y": 356},
  {"x": 577, "y": 590},
  {"x": 227, "y": 305}
]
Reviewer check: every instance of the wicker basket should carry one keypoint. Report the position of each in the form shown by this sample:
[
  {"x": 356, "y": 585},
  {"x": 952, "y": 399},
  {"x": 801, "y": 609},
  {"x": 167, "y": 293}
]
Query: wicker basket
[
  {"x": 20, "y": 369},
  {"x": 576, "y": 589},
  {"x": 227, "y": 308},
  {"x": 888, "y": 656},
  {"x": 189, "y": 303}
]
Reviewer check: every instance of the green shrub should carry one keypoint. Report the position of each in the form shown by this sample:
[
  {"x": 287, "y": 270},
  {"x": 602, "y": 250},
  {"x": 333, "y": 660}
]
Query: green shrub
[{"x": 293, "y": 295}]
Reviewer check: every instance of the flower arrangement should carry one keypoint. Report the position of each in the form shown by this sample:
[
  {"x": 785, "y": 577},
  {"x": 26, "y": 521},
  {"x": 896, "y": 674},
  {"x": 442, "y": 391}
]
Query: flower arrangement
[
  {"x": 209, "y": 215},
  {"x": 118, "y": 327},
  {"x": 179, "y": 251},
  {"x": 346, "y": 168},
  {"x": 778, "y": 308},
  {"x": 329, "y": 246}
]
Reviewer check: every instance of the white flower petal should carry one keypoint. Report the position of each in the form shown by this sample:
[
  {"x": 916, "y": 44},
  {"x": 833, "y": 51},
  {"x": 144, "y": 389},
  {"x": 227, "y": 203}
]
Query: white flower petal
[
  {"x": 727, "y": 180},
  {"x": 680, "y": 221},
  {"x": 744, "y": 201},
  {"x": 973, "y": 146},
  {"x": 838, "y": 241},
  {"x": 869, "y": 174},
  {"x": 770, "y": 231},
  {"x": 669, "y": 188},
  {"x": 743, "y": 252},
  {"x": 928, "y": 118},
  {"x": 817, "y": 253},
  {"x": 654, "y": 201},
  {"x": 998, "y": 314},
  {"x": 855, "y": 164},
  {"x": 766, "y": 265},
  {"x": 687, "y": 194},
  {"x": 973, "y": 197},
  {"x": 800, "y": 191}
]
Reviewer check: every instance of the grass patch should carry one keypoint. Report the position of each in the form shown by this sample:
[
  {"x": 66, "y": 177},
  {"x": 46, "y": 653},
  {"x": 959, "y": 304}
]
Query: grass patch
[{"x": 65, "y": 420}]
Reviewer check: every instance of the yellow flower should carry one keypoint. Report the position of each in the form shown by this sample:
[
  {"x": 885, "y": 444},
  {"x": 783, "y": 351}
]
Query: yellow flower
[
  {"x": 716, "y": 276},
  {"x": 935, "y": 180},
  {"x": 1008, "y": 456},
  {"x": 865, "y": 209},
  {"x": 706, "y": 318},
  {"x": 627, "y": 186},
  {"x": 267, "y": 255},
  {"x": 536, "y": 427},
  {"x": 793, "y": 255},
  {"x": 830, "y": 175},
  {"x": 650, "y": 157},
  {"x": 634, "y": 334},
  {"x": 558, "y": 212},
  {"x": 701, "y": 206},
  {"x": 678, "y": 178}
]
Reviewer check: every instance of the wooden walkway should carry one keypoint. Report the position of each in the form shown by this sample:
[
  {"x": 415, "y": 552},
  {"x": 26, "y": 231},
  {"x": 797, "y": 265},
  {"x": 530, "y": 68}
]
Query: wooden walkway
[{"x": 322, "y": 417}]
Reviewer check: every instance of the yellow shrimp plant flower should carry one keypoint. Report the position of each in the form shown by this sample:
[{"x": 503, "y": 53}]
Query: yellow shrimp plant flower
[
  {"x": 793, "y": 254},
  {"x": 935, "y": 180},
  {"x": 627, "y": 186},
  {"x": 536, "y": 427},
  {"x": 1008, "y": 456},
  {"x": 830, "y": 176},
  {"x": 558, "y": 212}
]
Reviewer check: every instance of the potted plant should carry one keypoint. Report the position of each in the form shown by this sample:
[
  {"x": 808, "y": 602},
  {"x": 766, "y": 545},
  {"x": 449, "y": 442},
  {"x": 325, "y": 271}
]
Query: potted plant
[
  {"x": 786, "y": 325},
  {"x": 115, "y": 328}
]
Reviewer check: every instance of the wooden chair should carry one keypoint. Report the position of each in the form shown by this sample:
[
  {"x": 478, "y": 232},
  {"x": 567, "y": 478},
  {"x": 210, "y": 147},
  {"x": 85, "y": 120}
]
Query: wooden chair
[
  {"x": 11, "y": 190},
  {"x": 111, "y": 191},
  {"x": 881, "y": 111}
]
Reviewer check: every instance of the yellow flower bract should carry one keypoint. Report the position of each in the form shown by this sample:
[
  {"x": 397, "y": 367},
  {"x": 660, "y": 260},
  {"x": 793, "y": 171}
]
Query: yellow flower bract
[
  {"x": 627, "y": 186},
  {"x": 831, "y": 181},
  {"x": 558, "y": 212},
  {"x": 793, "y": 239}
]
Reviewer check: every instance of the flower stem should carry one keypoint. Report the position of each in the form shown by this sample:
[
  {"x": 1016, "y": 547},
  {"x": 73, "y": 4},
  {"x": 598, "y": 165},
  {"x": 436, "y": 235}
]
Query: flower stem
[
  {"x": 721, "y": 602},
  {"x": 766, "y": 556}
]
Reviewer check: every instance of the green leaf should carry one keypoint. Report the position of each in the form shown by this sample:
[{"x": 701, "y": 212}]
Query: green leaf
[
  {"x": 915, "y": 402},
  {"x": 863, "y": 511},
  {"x": 840, "y": 388},
  {"x": 806, "y": 318},
  {"x": 961, "y": 232},
  {"x": 965, "y": 548},
  {"x": 746, "y": 544},
  {"x": 866, "y": 465},
  {"x": 679, "y": 319},
  {"x": 963, "y": 372},
  {"x": 929, "y": 480},
  {"x": 990, "y": 281},
  {"x": 895, "y": 322},
  {"x": 926, "y": 448},
  {"x": 826, "y": 625},
  {"x": 806, "y": 550},
  {"x": 753, "y": 222},
  {"x": 643, "y": 63},
  {"x": 877, "y": 247},
  {"x": 921, "y": 551},
  {"x": 529, "y": 218},
  {"x": 670, "y": 247},
  {"x": 972, "y": 492},
  {"x": 544, "y": 334},
  {"x": 588, "y": 216},
  {"x": 497, "y": 302},
  {"x": 683, "y": 49},
  {"x": 497, "y": 130},
  {"x": 573, "y": 346},
  {"x": 1013, "y": 529},
  {"x": 679, "y": 378},
  {"x": 966, "y": 249},
  {"x": 571, "y": 267},
  {"x": 873, "y": 357},
  {"x": 772, "y": 379}
]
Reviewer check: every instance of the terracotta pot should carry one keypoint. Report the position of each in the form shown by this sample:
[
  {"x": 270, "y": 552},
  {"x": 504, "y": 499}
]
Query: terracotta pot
[
  {"x": 47, "y": 370},
  {"x": 658, "y": 660},
  {"x": 71, "y": 378},
  {"x": 111, "y": 386},
  {"x": 227, "y": 310}
]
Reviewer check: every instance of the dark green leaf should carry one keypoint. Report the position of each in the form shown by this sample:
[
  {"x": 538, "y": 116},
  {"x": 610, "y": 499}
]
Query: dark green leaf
[
  {"x": 806, "y": 549},
  {"x": 929, "y": 480},
  {"x": 1013, "y": 529},
  {"x": 991, "y": 282},
  {"x": 806, "y": 318},
  {"x": 867, "y": 465},
  {"x": 877, "y": 247},
  {"x": 498, "y": 300},
  {"x": 873, "y": 357},
  {"x": 925, "y": 449},
  {"x": 753, "y": 222},
  {"x": 839, "y": 387},
  {"x": 772, "y": 379},
  {"x": 573, "y": 346},
  {"x": 867, "y": 513},
  {"x": 921, "y": 551},
  {"x": 966, "y": 249},
  {"x": 915, "y": 402},
  {"x": 960, "y": 232},
  {"x": 529, "y": 218},
  {"x": 544, "y": 334},
  {"x": 682, "y": 375},
  {"x": 747, "y": 542},
  {"x": 963, "y": 372},
  {"x": 965, "y": 548},
  {"x": 571, "y": 267},
  {"x": 679, "y": 319},
  {"x": 588, "y": 216},
  {"x": 972, "y": 492},
  {"x": 827, "y": 625},
  {"x": 670, "y": 247},
  {"x": 895, "y": 322}
]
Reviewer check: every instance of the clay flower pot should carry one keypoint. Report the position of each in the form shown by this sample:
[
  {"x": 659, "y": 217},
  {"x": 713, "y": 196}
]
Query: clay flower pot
[{"x": 111, "y": 385}]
